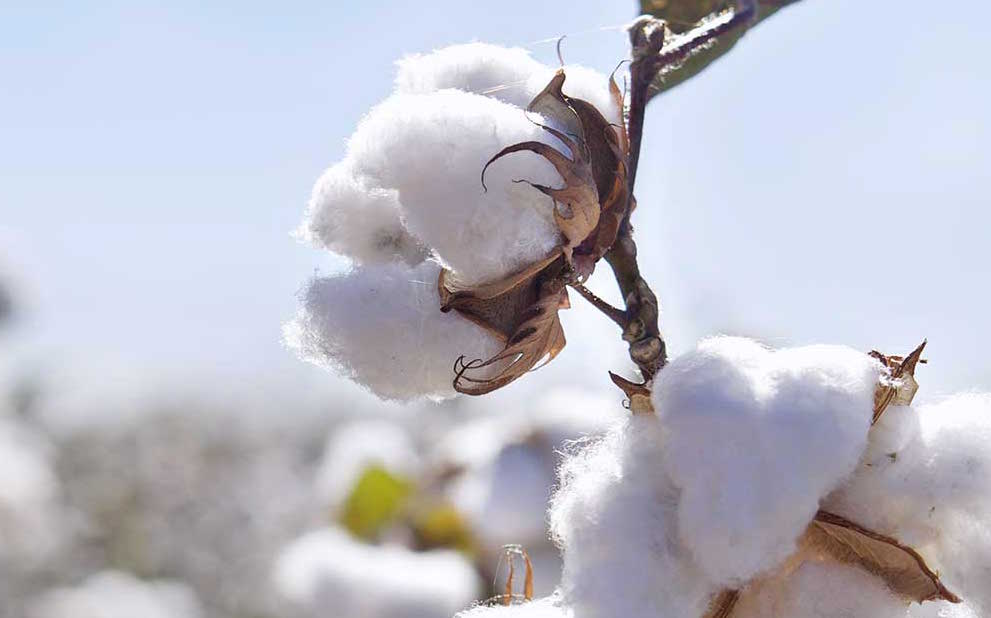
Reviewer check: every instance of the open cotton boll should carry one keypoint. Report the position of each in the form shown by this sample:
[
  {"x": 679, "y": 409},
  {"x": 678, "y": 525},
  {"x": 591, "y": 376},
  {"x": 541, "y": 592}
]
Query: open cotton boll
[
  {"x": 328, "y": 573},
  {"x": 348, "y": 216},
  {"x": 614, "y": 518},
  {"x": 755, "y": 438},
  {"x": 432, "y": 148},
  {"x": 934, "y": 492},
  {"x": 357, "y": 445},
  {"x": 500, "y": 72},
  {"x": 547, "y": 607},
  {"x": 113, "y": 594},
  {"x": 382, "y": 327},
  {"x": 821, "y": 590}
]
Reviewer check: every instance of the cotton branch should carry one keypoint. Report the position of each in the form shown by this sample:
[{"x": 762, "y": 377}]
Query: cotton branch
[{"x": 647, "y": 38}]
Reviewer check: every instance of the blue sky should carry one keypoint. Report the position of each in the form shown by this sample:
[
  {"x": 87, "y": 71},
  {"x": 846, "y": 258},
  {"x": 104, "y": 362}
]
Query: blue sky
[{"x": 824, "y": 182}]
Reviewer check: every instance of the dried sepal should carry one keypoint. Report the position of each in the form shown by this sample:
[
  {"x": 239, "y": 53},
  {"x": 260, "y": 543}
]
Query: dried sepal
[
  {"x": 594, "y": 175},
  {"x": 637, "y": 394},
  {"x": 538, "y": 338},
  {"x": 834, "y": 538},
  {"x": 722, "y": 604},
  {"x": 898, "y": 385},
  {"x": 508, "y": 597},
  {"x": 496, "y": 306}
]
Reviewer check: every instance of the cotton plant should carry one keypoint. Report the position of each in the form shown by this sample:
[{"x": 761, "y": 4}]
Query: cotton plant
[{"x": 745, "y": 481}]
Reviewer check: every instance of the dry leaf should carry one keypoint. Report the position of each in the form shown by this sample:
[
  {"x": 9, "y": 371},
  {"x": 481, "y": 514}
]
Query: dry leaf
[
  {"x": 832, "y": 537},
  {"x": 722, "y": 604},
  {"x": 538, "y": 337},
  {"x": 496, "y": 306},
  {"x": 595, "y": 170},
  {"x": 899, "y": 386}
]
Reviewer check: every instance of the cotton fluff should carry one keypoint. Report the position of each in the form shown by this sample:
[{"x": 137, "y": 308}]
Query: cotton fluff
[
  {"x": 755, "y": 438},
  {"x": 350, "y": 217},
  {"x": 547, "y": 607},
  {"x": 382, "y": 326},
  {"x": 354, "y": 447},
  {"x": 113, "y": 594},
  {"x": 821, "y": 590},
  {"x": 615, "y": 519},
  {"x": 932, "y": 489},
  {"x": 509, "y": 74},
  {"x": 328, "y": 573},
  {"x": 431, "y": 148},
  {"x": 28, "y": 494}
]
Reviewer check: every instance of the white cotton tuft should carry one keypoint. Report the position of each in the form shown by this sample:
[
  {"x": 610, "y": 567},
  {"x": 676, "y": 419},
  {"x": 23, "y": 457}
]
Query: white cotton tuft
[
  {"x": 432, "y": 148},
  {"x": 502, "y": 73},
  {"x": 755, "y": 438},
  {"x": 821, "y": 590},
  {"x": 615, "y": 519},
  {"x": 354, "y": 447},
  {"x": 382, "y": 327},
  {"x": 547, "y": 607},
  {"x": 328, "y": 573},
  {"x": 932, "y": 490},
  {"x": 28, "y": 495},
  {"x": 113, "y": 594},
  {"x": 350, "y": 217}
]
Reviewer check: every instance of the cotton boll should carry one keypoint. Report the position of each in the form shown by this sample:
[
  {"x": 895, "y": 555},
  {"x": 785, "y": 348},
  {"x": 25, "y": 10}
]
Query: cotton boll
[
  {"x": 615, "y": 519},
  {"x": 933, "y": 493},
  {"x": 112, "y": 594},
  {"x": 821, "y": 590},
  {"x": 382, "y": 327},
  {"x": 506, "y": 499},
  {"x": 355, "y": 446},
  {"x": 28, "y": 495},
  {"x": 328, "y": 573},
  {"x": 499, "y": 72},
  {"x": 547, "y": 607},
  {"x": 755, "y": 439},
  {"x": 348, "y": 216},
  {"x": 432, "y": 148}
]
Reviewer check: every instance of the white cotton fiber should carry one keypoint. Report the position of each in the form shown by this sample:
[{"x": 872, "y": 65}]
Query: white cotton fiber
[
  {"x": 354, "y": 447},
  {"x": 547, "y": 607},
  {"x": 113, "y": 594},
  {"x": 350, "y": 217},
  {"x": 821, "y": 590},
  {"x": 432, "y": 148},
  {"x": 328, "y": 573},
  {"x": 505, "y": 73},
  {"x": 755, "y": 438},
  {"x": 382, "y": 327},
  {"x": 28, "y": 495},
  {"x": 615, "y": 519},
  {"x": 500, "y": 72},
  {"x": 932, "y": 490}
]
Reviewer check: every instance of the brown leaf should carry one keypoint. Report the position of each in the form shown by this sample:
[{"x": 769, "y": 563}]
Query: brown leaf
[
  {"x": 538, "y": 337},
  {"x": 592, "y": 171},
  {"x": 832, "y": 537},
  {"x": 496, "y": 306},
  {"x": 899, "y": 387},
  {"x": 722, "y": 604}
]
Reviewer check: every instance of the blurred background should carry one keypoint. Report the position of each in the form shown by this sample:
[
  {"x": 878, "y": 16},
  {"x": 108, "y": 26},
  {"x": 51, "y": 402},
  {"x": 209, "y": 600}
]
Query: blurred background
[{"x": 162, "y": 453}]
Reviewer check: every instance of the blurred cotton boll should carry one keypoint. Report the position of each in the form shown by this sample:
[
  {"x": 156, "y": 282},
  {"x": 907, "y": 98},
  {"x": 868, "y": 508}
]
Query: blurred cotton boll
[
  {"x": 357, "y": 445},
  {"x": 382, "y": 327},
  {"x": 29, "y": 495},
  {"x": 328, "y": 573},
  {"x": 113, "y": 594}
]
